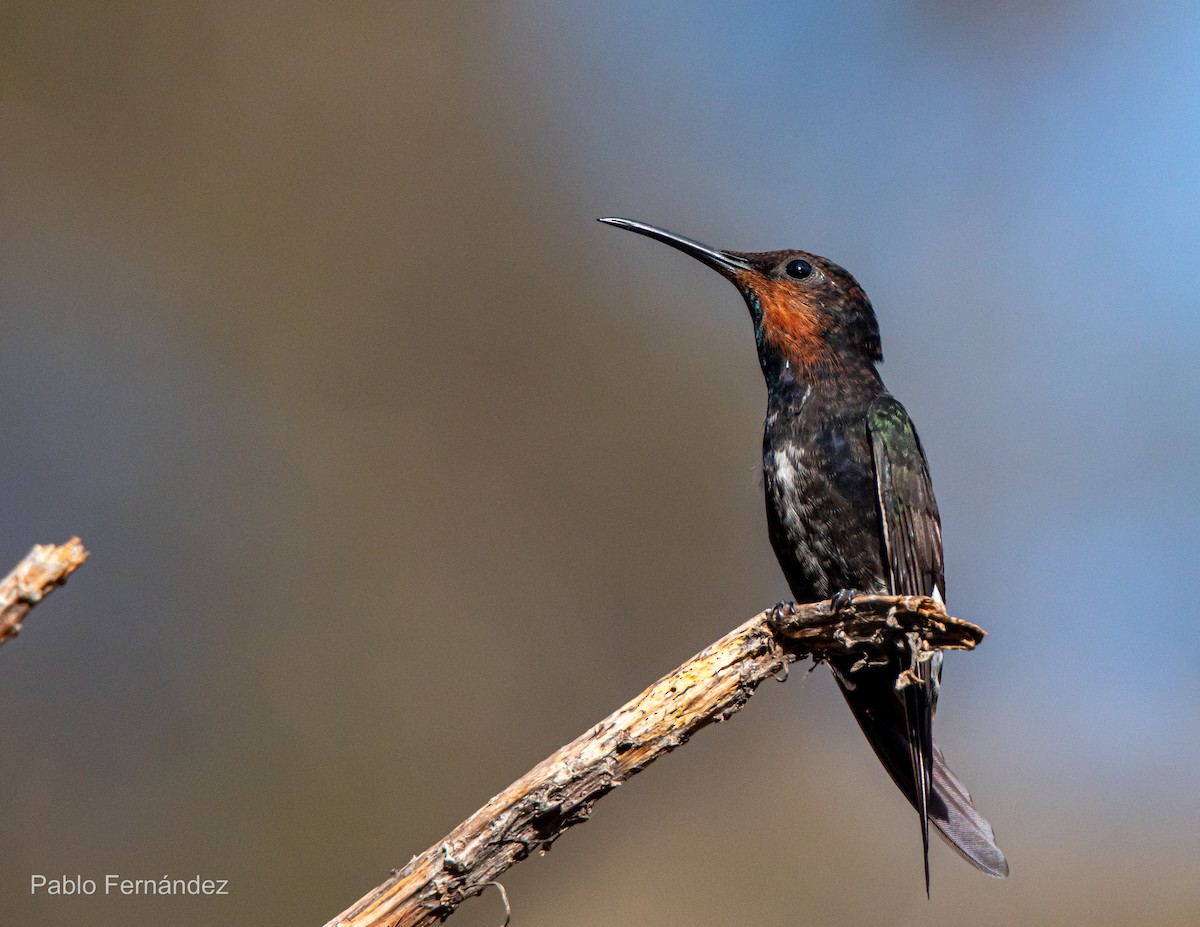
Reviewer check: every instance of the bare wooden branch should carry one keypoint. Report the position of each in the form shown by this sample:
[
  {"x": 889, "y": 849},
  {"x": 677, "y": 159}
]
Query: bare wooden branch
[
  {"x": 560, "y": 791},
  {"x": 43, "y": 570}
]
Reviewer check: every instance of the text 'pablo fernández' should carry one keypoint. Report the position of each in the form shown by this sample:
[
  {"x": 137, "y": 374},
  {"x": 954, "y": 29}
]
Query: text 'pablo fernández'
[{"x": 119, "y": 885}]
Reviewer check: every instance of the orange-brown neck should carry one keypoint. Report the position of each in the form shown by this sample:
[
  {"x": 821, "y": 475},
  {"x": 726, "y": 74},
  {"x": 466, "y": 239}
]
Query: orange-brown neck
[{"x": 792, "y": 327}]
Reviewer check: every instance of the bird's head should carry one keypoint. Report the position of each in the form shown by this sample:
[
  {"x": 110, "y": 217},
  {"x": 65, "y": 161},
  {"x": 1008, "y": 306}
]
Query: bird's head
[{"x": 808, "y": 313}]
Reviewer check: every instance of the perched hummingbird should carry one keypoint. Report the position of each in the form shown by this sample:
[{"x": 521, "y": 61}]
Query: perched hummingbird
[{"x": 850, "y": 505}]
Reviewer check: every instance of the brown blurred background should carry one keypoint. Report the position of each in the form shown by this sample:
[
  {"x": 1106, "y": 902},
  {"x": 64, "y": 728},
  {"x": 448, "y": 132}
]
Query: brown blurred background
[{"x": 399, "y": 471}]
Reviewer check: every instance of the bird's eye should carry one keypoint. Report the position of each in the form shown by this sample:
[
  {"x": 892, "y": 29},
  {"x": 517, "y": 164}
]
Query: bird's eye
[{"x": 798, "y": 269}]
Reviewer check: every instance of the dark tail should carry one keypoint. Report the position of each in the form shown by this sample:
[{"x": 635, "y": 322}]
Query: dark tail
[
  {"x": 918, "y": 724},
  {"x": 890, "y": 719}
]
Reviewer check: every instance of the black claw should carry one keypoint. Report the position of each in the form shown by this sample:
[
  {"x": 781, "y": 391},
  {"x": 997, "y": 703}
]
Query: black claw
[{"x": 842, "y": 598}]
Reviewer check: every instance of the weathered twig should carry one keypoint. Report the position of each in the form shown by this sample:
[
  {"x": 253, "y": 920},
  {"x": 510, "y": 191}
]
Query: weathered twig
[
  {"x": 43, "y": 570},
  {"x": 560, "y": 791}
]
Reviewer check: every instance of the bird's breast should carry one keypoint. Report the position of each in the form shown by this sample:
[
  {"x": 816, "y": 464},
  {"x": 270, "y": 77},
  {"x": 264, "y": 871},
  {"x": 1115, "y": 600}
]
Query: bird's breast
[{"x": 822, "y": 515}]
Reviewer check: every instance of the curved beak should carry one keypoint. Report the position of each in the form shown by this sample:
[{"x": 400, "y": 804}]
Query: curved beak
[{"x": 726, "y": 263}]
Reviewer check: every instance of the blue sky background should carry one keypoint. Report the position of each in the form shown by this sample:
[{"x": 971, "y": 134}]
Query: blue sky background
[
  {"x": 1039, "y": 167},
  {"x": 400, "y": 471}
]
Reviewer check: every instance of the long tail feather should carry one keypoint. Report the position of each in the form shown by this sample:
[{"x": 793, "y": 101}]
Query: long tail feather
[
  {"x": 964, "y": 828},
  {"x": 884, "y": 716},
  {"x": 918, "y": 720}
]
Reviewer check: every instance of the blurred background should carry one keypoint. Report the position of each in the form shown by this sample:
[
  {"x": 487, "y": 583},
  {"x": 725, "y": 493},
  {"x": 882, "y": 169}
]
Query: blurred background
[{"x": 399, "y": 471}]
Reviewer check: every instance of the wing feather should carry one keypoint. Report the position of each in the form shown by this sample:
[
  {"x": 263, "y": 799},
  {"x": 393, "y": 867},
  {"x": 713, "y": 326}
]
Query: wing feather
[{"x": 911, "y": 536}]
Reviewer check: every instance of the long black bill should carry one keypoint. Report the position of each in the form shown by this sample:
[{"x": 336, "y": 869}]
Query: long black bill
[{"x": 724, "y": 262}]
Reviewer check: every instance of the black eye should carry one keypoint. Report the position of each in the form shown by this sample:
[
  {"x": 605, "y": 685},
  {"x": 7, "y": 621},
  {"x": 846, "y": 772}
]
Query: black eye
[{"x": 798, "y": 269}]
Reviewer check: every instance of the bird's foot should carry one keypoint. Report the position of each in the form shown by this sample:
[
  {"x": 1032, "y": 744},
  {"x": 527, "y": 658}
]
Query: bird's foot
[
  {"x": 780, "y": 612},
  {"x": 842, "y": 598}
]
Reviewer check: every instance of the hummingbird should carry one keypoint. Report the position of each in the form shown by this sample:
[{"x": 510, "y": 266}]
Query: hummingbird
[{"x": 850, "y": 505}]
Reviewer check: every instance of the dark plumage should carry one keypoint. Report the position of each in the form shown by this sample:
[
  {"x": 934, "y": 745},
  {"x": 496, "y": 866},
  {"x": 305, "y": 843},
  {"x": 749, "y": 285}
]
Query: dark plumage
[{"x": 850, "y": 505}]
